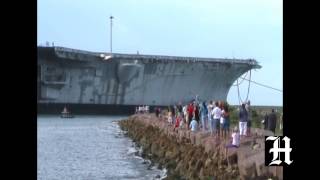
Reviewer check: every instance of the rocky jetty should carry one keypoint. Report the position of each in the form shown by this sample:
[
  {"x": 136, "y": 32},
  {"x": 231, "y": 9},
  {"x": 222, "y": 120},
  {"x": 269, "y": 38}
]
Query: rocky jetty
[{"x": 189, "y": 155}]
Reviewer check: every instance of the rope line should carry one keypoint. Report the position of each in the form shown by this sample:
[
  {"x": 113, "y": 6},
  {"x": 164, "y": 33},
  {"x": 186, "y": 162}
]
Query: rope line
[
  {"x": 248, "y": 91},
  {"x": 248, "y": 86},
  {"x": 239, "y": 97},
  {"x": 241, "y": 81},
  {"x": 266, "y": 86},
  {"x": 247, "y": 96}
]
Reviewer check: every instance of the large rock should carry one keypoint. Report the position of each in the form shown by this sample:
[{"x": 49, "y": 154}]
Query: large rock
[
  {"x": 193, "y": 138},
  {"x": 179, "y": 167},
  {"x": 251, "y": 162},
  {"x": 208, "y": 144},
  {"x": 171, "y": 155},
  {"x": 232, "y": 156},
  {"x": 154, "y": 148},
  {"x": 200, "y": 136}
]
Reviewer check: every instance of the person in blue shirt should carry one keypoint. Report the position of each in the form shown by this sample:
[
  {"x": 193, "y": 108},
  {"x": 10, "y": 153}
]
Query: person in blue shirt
[{"x": 204, "y": 115}]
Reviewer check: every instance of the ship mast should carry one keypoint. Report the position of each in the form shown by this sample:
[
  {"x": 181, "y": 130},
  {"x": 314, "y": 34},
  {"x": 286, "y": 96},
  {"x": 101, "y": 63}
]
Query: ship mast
[{"x": 111, "y": 17}]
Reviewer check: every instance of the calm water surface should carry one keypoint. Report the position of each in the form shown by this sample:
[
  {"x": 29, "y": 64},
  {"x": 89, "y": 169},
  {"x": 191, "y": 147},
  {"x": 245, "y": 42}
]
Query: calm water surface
[{"x": 88, "y": 147}]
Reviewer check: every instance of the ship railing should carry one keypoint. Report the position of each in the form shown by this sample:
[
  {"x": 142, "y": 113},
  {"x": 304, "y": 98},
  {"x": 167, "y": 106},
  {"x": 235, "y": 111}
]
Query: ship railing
[
  {"x": 75, "y": 54},
  {"x": 82, "y": 53},
  {"x": 181, "y": 58},
  {"x": 63, "y": 49}
]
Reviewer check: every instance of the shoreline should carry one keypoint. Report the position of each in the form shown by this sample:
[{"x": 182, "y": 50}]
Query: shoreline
[{"x": 197, "y": 155}]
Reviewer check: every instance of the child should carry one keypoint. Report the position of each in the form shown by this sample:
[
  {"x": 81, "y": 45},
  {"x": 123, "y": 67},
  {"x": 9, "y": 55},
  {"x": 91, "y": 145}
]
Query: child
[
  {"x": 235, "y": 140},
  {"x": 194, "y": 125}
]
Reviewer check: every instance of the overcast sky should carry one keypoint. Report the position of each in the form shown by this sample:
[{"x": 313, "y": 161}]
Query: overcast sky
[{"x": 200, "y": 28}]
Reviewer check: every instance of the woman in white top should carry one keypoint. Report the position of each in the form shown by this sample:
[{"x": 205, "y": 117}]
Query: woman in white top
[{"x": 216, "y": 112}]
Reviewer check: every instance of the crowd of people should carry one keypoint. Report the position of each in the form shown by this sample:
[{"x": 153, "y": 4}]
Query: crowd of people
[{"x": 215, "y": 118}]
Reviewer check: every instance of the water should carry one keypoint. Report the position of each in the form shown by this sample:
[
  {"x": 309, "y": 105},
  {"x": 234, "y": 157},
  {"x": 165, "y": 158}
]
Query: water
[{"x": 86, "y": 148}]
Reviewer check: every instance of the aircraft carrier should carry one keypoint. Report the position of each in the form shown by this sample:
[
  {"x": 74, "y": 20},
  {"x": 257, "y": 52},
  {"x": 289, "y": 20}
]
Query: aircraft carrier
[{"x": 97, "y": 82}]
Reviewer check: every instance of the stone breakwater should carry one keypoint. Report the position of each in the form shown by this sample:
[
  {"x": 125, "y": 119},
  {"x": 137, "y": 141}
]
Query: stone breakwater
[{"x": 189, "y": 155}]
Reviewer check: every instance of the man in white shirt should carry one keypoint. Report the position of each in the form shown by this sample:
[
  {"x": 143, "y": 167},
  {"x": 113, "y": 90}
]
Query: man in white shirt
[{"x": 216, "y": 112}]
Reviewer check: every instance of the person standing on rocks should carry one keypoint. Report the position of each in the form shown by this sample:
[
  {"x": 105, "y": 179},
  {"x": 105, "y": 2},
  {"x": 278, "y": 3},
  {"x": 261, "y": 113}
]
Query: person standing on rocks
[
  {"x": 265, "y": 121},
  {"x": 204, "y": 115},
  {"x": 235, "y": 143},
  {"x": 216, "y": 112},
  {"x": 181, "y": 123},
  {"x": 226, "y": 123},
  {"x": 210, "y": 117},
  {"x": 157, "y": 111},
  {"x": 272, "y": 121},
  {"x": 178, "y": 120},
  {"x": 243, "y": 116},
  {"x": 248, "y": 108},
  {"x": 185, "y": 114},
  {"x": 173, "y": 109},
  {"x": 196, "y": 112},
  {"x": 176, "y": 110},
  {"x": 221, "y": 105},
  {"x": 194, "y": 125},
  {"x": 179, "y": 107},
  {"x": 190, "y": 113},
  {"x": 170, "y": 121}
]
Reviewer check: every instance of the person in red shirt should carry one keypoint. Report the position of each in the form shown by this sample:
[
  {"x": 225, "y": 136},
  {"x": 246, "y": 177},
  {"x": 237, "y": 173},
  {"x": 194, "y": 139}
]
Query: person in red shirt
[
  {"x": 177, "y": 124},
  {"x": 190, "y": 113}
]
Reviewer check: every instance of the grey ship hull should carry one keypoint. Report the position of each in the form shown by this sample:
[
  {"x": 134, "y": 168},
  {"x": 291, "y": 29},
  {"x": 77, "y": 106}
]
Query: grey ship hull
[{"x": 81, "y": 78}]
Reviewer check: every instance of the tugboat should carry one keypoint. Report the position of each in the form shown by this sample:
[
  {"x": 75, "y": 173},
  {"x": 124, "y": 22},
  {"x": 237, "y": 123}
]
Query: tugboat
[{"x": 66, "y": 114}]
